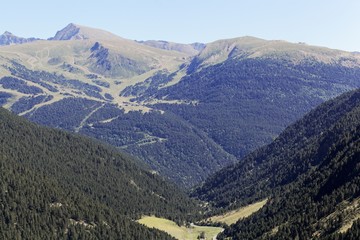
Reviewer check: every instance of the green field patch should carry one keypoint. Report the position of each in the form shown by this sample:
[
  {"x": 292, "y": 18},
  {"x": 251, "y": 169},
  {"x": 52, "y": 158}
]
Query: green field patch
[{"x": 178, "y": 232}]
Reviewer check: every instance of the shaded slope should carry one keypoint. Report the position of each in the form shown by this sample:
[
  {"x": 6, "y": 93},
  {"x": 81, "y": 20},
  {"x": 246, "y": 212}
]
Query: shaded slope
[
  {"x": 96, "y": 171},
  {"x": 35, "y": 206},
  {"x": 167, "y": 143},
  {"x": 309, "y": 171},
  {"x": 245, "y": 103}
]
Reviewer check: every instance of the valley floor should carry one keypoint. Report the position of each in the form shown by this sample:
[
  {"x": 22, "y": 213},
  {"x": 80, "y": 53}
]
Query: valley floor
[{"x": 186, "y": 233}]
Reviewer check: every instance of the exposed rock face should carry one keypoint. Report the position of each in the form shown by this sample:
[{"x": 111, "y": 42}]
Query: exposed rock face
[
  {"x": 7, "y": 38},
  {"x": 70, "y": 32},
  {"x": 198, "y": 46},
  {"x": 103, "y": 61}
]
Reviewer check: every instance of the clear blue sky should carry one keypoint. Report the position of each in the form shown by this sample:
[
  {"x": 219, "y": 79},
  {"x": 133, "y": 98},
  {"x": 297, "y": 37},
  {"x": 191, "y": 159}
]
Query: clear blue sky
[{"x": 331, "y": 23}]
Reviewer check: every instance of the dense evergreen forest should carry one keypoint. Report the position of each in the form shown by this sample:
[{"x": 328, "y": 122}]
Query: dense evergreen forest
[
  {"x": 245, "y": 103},
  {"x": 170, "y": 145},
  {"x": 310, "y": 173},
  {"x": 61, "y": 185},
  {"x": 34, "y": 206}
]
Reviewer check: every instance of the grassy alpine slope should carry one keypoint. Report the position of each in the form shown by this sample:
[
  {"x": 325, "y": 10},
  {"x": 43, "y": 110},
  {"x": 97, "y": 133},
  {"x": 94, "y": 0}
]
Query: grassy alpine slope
[{"x": 233, "y": 216}]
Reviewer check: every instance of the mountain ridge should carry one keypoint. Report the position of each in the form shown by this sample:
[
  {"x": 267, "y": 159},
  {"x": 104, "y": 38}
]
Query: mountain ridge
[
  {"x": 7, "y": 38},
  {"x": 252, "y": 47}
]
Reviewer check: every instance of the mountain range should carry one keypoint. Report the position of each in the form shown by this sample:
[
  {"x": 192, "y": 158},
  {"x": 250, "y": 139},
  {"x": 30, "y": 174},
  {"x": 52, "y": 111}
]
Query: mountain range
[
  {"x": 186, "y": 110},
  {"x": 245, "y": 120}
]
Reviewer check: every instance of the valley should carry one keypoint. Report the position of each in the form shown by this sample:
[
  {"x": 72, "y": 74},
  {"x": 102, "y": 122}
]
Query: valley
[{"x": 242, "y": 138}]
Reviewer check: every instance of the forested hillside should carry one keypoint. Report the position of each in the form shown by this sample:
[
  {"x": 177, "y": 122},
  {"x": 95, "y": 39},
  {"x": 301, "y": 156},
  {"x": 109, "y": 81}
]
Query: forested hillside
[
  {"x": 57, "y": 184},
  {"x": 246, "y": 103},
  {"x": 310, "y": 173},
  {"x": 34, "y": 206}
]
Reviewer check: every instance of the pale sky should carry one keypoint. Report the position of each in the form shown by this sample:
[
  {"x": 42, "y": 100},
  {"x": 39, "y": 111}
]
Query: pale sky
[{"x": 329, "y": 23}]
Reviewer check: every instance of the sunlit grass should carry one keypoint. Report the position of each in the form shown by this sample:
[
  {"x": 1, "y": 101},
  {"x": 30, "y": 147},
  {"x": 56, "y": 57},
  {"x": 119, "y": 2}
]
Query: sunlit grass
[
  {"x": 235, "y": 215},
  {"x": 182, "y": 232}
]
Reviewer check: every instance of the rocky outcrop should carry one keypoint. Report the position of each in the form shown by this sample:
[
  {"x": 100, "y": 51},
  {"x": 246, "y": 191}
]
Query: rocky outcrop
[{"x": 7, "y": 38}]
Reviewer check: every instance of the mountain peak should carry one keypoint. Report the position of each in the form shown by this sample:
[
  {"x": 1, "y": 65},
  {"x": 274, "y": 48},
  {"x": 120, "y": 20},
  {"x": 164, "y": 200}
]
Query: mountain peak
[
  {"x": 70, "y": 32},
  {"x": 78, "y": 32},
  {"x": 8, "y": 33},
  {"x": 72, "y": 25}
]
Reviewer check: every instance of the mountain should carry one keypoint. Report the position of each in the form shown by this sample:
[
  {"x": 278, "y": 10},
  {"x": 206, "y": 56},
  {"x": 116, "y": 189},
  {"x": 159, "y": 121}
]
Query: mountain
[
  {"x": 7, "y": 38},
  {"x": 56, "y": 184},
  {"x": 185, "y": 115},
  {"x": 310, "y": 173}
]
